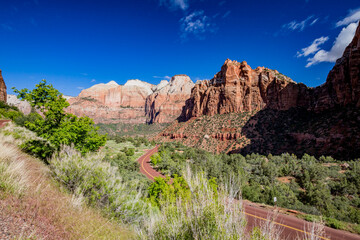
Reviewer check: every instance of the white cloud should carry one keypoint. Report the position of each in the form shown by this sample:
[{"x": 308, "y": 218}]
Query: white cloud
[
  {"x": 80, "y": 88},
  {"x": 314, "y": 21},
  {"x": 93, "y": 80},
  {"x": 353, "y": 16},
  {"x": 175, "y": 4},
  {"x": 314, "y": 47},
  {"x": 342, "y": 40},
  {"x": 295, "y": 25},
  {"x": 196, "y": 24},
  {"x": 164, "y": 77}
]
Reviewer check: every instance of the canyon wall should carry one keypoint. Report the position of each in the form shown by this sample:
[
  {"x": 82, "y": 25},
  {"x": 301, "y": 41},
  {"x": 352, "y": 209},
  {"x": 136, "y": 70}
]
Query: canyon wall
[
  {"x": 3, "y": 94},
  {"x": 166, "y": 103}
]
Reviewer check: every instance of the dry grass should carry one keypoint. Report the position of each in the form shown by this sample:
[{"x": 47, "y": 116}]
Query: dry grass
[
  {"x": 315, "y": 230},
  {"x": 31, "y": 195}
]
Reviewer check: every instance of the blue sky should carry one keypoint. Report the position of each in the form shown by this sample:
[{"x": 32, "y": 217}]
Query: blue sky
[{"x": 76, "y": 44}]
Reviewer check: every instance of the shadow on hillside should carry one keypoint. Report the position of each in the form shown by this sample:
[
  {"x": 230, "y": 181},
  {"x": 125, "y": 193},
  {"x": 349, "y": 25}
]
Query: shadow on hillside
[{"x": 333, "y": 133}]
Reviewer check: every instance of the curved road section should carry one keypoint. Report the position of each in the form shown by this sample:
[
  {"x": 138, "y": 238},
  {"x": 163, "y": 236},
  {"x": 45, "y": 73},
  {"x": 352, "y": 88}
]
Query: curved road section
[{"x": 291, "y": 227}]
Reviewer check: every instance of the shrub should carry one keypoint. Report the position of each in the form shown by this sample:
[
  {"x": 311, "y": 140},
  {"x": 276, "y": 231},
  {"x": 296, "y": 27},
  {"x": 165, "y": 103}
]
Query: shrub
[
  {"x": 89, "y": 176},
  {"x": 58, "y": 127}
]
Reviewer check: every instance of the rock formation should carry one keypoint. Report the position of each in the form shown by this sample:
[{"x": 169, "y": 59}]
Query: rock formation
[
  {"x": 23, "y": 106},
  {"x": 134, "y": 102},
  {"x": 238, "y": 88},
  {"x": 166, "y": 103},
  {"x": 3, "y": 94},
  {"x": 110, "y": 103},
  {"x": 244, "y": 110}
]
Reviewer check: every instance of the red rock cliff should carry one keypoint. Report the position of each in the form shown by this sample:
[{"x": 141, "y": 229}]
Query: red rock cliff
[
  {"x": 167, "y": 101},
  {"x": 238, "y": 88},
  {"x": 3, "y": 95}
]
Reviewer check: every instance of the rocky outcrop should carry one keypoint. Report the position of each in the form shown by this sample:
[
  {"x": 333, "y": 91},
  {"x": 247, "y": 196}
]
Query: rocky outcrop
[
  {"x": 3, "y": 95},
  {"x": 111, "y": 102},
  {"x": 245, "y": 110},
  {"x": 23, "y": 106},
  {"x": 238, "y": 88},
  {"x": 166, "y": 103}
]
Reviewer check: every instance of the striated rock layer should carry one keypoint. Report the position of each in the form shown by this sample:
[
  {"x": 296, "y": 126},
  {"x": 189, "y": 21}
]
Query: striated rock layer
[
  {"x": 166, "y": 103},
  {"x": 135, "y": 102},
  {"x": 3, "y": 95},
  {"x": 111, "y": 103}
]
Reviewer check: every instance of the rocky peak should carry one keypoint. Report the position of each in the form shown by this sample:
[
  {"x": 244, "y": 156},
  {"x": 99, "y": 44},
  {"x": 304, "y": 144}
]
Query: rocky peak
[
  {"x": 3, "y": 95},
  {"x": 162, "y": 84},
  {"x": 112, "y": 83},
  {"x": 166, "y": 103},
  {"x": 140, "y": 84}
]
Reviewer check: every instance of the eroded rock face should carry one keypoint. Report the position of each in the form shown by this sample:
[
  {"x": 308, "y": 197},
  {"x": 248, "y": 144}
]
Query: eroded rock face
[
  {"x": 23, "y": 106},
  {"x": 166, "y": 103},
  {"x": 237, "y": 88},
  {"x": 269, "y": 113},
  {"x": 3, "y": 95},
  {"x": 110, "y": 103}
]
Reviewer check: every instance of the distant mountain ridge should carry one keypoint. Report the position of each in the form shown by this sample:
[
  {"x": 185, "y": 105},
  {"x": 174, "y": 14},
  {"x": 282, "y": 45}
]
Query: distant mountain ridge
[{"x": 112, "y": 103}]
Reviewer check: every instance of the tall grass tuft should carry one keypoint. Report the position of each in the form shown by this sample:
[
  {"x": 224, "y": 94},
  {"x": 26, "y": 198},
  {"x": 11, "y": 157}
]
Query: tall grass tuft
[
  {"x": 13, "y": 174},
  {"x": 208, "y": 214},
  {"x": 89, "y": 177}
]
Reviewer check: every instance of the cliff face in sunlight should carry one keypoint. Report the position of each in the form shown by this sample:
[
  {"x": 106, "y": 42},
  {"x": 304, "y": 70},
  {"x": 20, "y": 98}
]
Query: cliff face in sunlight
[{"x": 260, "y": 110}]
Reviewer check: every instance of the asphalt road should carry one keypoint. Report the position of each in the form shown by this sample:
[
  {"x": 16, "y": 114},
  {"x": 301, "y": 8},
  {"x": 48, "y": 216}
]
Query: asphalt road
[{"x": 291, "y": 227}]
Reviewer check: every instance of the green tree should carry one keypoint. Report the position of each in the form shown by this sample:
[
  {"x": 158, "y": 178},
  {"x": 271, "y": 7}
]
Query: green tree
[{"x": 57, "y": 126}]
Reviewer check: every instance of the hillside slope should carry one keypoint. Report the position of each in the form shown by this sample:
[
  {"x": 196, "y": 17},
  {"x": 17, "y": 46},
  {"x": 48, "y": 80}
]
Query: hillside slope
[{"x": 33, "y": 206}]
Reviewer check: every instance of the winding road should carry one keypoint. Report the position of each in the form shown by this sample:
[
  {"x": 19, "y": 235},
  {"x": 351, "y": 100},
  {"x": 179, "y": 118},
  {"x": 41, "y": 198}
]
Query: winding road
[{"x": 291, "y": 226}]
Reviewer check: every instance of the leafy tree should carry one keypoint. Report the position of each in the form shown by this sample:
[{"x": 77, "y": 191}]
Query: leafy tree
[{"x": 57, "y": 126}]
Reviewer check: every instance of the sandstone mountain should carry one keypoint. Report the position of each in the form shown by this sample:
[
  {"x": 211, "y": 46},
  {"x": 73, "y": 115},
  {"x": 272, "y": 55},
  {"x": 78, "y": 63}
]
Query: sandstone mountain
[
  {"x": 23, "y": 106},
  {"x": 168, "y": 99},
  {"x": 130, "y": 103},
  {"x": 3, "y": 95},
  {"x": 260, "y": 110}
]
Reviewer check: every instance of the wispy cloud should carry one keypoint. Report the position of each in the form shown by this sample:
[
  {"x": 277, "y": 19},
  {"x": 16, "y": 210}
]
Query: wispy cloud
[
  {"x": 314, "y": 47},
  {"x": 196, "y": 24},
  {"x": 314, "y": 21},
  {"x": 342, "y": 40},
  {"x": 93, "y": 80},
  {"x": 226, "y": 14},
  {"x": 7, "y": 27},
  {"x": 80, "y": 88},
  {"x": 353, "y": 16},
  {"x": 300, "y": 26},
  {"x": 175, "y": 4},
  {"x": 164, "y": 77}
]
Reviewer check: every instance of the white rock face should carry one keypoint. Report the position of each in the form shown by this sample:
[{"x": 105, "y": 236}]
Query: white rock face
[
  {"x": 23, "y": 106},
  {"x": 138, "y": 83},
  {"x": 178, "y": 84},
  {"x": 162, "y": 84}
]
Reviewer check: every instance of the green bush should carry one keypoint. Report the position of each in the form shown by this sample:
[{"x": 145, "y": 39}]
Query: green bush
[
  {"x": 39, "y": 148},
  {"x": 57, "y": 126}
]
